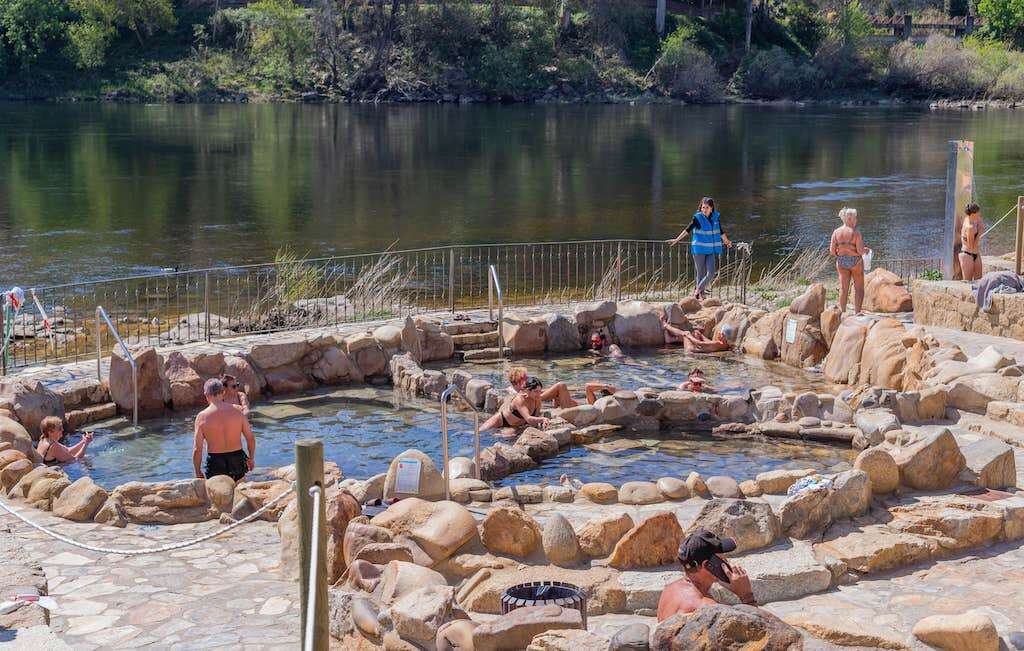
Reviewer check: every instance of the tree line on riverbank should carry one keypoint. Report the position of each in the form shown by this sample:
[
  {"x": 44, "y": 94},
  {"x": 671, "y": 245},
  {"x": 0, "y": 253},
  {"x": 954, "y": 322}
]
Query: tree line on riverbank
[{"x": 492, "y": 50}]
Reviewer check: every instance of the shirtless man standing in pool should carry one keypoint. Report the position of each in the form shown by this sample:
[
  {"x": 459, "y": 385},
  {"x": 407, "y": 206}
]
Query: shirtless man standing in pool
[{"x": 220, "y": 427}]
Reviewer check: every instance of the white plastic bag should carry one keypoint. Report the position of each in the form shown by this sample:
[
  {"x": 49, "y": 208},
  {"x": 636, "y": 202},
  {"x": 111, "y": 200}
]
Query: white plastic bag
[{"x": 868, "y": 255}]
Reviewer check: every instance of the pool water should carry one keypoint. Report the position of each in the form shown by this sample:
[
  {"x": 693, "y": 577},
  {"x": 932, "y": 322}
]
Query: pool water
[{"x": 363, "y": 428}]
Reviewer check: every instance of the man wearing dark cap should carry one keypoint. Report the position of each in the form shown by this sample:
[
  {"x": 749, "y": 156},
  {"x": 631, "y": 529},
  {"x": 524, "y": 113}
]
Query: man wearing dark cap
[{"x": 700, "y": 554}]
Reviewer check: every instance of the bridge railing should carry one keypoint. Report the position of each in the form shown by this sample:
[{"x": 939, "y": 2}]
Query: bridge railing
[{"x": 292, "y": 293}]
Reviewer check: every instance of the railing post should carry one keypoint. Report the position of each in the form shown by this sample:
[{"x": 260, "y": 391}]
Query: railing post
[
  {"x": 309, "y": 472},
  {"x": 206, "y": 303},
  {"x": 446, "y": 471},
  {"x": 99, "y": 370},
  {"x": 3, "y": 339},
  {"x": 451, "y": 278},
  {"x": 618, "y": 273}
]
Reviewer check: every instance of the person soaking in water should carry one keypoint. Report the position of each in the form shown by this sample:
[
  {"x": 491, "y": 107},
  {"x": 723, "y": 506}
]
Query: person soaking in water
[
  {"x": 706, "y": 244},
  {"x": 847, "y": 246},
  {"x": 50, "y": 447}
]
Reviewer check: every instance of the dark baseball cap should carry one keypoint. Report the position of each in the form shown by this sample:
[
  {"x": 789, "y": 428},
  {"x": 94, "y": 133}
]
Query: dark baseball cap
[{"x": 701, "y": 545}]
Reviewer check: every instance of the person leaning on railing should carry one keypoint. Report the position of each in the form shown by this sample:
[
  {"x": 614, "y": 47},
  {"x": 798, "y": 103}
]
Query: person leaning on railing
[{"x": 706, "y": 245}]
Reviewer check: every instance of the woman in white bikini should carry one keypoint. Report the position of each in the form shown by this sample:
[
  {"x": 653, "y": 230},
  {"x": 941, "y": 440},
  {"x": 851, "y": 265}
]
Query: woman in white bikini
[
  {"x": 847, "y": 246},
  {"x": 970, "y": 243}
]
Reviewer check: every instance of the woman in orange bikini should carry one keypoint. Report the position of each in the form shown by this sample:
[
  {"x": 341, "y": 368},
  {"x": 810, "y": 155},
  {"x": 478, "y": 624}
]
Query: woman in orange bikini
[
  {"x": 847, "y": 246},
  {"x": 970, "y": 243}
]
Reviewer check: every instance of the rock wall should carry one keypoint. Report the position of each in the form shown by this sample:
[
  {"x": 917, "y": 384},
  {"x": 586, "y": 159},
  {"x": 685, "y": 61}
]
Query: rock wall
[{"x": 951, "y": 304}]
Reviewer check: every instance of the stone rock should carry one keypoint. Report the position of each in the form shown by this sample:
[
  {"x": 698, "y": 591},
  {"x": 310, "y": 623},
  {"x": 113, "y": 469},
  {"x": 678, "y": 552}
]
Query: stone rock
[
  {"x": 340, "y": 509},
  {"x": 880, "y": 468},
  {"x": 760, "y": 340},
  {"x": 686, "y": 407},
  {"x": 751, "y": 524},
  {"x": 280, "y": 352},
  {"x": 477, "y": 390},
  {"x": 809, "y": 511},
  {"x": 884, "y": 357},
  {"x": 246, "y": 375},
  {"x": 563, "y": 494},
  {"x": 697, "y": 486},
  {"x": 589, "y": 314},
  {"x": 597, "y": 538},
  {"x": 875, "y": 548},
  {"x": 419, "y": 614},
  {"x": 720, "y": 486},
  {"x": 970, "y": 631},
  {"x": 521, "y": 494},
  {"x": 806, "y": 405},
  {"x": 13, "y": 473},
  {"x": 931, "y": 403},
  {"x": 438, "y": 528},
  {"x": 637, "y": 324},
  {"x": 510, "y": 531},
  {"x": 777, "y": 482},
  {"x": 974, "y": 392},
  {"x": 82, "y": 392},
  {"x": 9, "y": 455},
  {"x": 750, "y": 488},
  {"x": 851, "y": 494},
  {"x": 808, "y": 347},
  {"x": 567, "y": 640},
  {"x": 31, "y": 401},
  {"x": 461, "y": 468},
  {"x": 431, "y": 482},
  {"x": 726, "y": 628},
  {"x": 389, "y": 337},
  {"x": 538, "y": 444},
  {"x": 516, "y": 630},
  {"x": 651, "y": 543},
  {"x": 456, "y": 635},
  {"x": 884, "y": 292},
  {"x": 154, "y": 392},
  {"x": 788, "y": 571},
  {"x": 581, "y": 415},
  {"x": 733, "y": 324},
  {"x": 990, "y": 464},
  {"x": 599, "y": 493},
  {"x": 873, "y": 424},
  {"x": 673, "y": 488},
  {"x": 482, "y": 592},
  {"x": 15, "y": 434},
  {"x": 46, "y": 489},
  {"x": 335, "y": 366},
  {"x": 559, "y": 540},
  {"x": 634, "y": 637},
  {"x": 562, "y": 334},
  {"x": 358, "y": 535},
  {"x": 811, "y": 302},
  {"x": 830, "y": 319},
  {"x": 640, "y": 492},
  {"x": 185, "y": 383},
  {"x": 168, "y": 502},
  {"x": 21, "y": 489},
  {"x": 400, "y": 579},
  {"x": 932, "y": 462},
  {"x": 958, "y": 524},
  {"x": 524, "y": 336},
  {"x": 80, "y": 501}
]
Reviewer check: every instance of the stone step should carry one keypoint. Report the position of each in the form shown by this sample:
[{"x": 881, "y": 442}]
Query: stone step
[
  {"x": 485, "y": 355},
  {"x": 456, "y": 328},
  {"x": 91, "y": 414},
  {"x": 475, "y": 340},
  {"x": 999, "y": 429}
]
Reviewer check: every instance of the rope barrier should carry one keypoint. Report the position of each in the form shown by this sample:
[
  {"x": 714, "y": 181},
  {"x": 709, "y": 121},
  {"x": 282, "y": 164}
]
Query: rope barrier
[
  {"x": 151, "y": 550},
  {"x": 1008, "y": 213},
  {"x": 315, "y": 491}
]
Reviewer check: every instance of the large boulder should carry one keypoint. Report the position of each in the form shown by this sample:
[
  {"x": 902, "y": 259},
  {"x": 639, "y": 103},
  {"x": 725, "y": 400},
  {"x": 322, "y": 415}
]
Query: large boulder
[
  {"x": 427, "y": 483},
  {"x": 751, "y": 524},
  {"x": 884, "y": 356},
  {"x": 777, "y": 482},
  {"x": 13, "y": 472},
  {"x": 637, "y": 323},
  {"x": 884, "y": 292},
  {"x": 559, "y": 541},
  {"x": 279, "y": 352},
  {"x": 510, "y": 531},
  {"x": 401, "y": 578},
  {"x": 515, "y": 631},
  {"x": 990, "y": 464},
  {"x": 734, "y": 324},
  {"x": 811, "y": 303},
  {"x": 800, "y": 341},
  {"x": 932, "y": 462},
  {"x": 340, "y": 509},
  {"x": 726, "y": 628},
  {"x": 243, "y": 371},
  {"x": 80, "y": 501},
  {"x": 43, "y": 491},
  {"x": 598, "y": 537},
  {"x": 873, "y": 425},
  {"x": 830, "y": 320},
  {"x": 419, "y": 615},
  {"x": 335, "y": 366},
  {"x": 761, "y": 338},
  {"x": 640, "y": 492},
  {"x": 970, "y": 631},
  {"x": 154, "y": 391},
  {"x": 842, "y": 364},
  {"x": 806, "y": 512},
  {"x": 168, "y": 502},
  {"x": 880, "y": 468},
  {"x": 851, "y": 494},
  {"x": 15, "y": 434},
  {"x": 186, "y": 385},
  {"x": 31, "y": 402},
  {"x": 366, "y": 353},
  {"x": 438, "y": 528},
  {"x": 562, "y": 336},
  {"x": 595, "y": 314},
  {"x": 974, "y": 392},
  {"x": 651, "y": 543},
  {"x": 524, "y": 336}
]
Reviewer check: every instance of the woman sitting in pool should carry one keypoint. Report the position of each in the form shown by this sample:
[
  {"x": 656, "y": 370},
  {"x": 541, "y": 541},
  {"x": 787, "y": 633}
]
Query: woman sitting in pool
[
  {"x": 520, "y": 411},
  {"x": 698, "y": 343},
  {"x": 695, "y": 383},
  {"x": 558, "y": 393},
  {"x": 50, "y": 447}
]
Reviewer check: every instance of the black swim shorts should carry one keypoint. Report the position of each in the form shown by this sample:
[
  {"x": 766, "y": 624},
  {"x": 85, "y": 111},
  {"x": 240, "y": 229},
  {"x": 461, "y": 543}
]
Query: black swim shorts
[{"x": 233, "y": 464}]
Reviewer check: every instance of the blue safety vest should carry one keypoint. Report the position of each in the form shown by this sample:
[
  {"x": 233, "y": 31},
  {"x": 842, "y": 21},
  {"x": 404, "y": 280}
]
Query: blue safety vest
[{"x": 707, "y": 237}]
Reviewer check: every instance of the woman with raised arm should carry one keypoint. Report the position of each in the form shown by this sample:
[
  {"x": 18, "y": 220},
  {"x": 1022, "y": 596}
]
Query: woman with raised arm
[{"x": 706, "y": 244}]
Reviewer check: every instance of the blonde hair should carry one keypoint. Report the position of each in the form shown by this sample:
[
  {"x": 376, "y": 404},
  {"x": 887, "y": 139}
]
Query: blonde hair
[
  {"x": 49, "y": 424},
  {"x": 517, "y": 375},
  {"x": 846, "y": 214}
]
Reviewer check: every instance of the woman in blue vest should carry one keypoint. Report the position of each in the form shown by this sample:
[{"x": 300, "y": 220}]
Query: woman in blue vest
[{"x": 706, "y": 245}]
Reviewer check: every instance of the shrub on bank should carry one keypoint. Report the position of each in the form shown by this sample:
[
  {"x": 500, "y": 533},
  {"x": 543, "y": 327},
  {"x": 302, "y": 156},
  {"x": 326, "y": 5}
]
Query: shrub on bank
[
  {"x": 687, "y": 72},
  {"x": 777, "y": 74},
  {"x": 948, "y": 67}
]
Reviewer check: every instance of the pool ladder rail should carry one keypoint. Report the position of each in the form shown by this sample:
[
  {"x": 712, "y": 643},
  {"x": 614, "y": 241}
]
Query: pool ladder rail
[
  {"x": 101, "y": 318},
  {"x": 446, "y": 397}
]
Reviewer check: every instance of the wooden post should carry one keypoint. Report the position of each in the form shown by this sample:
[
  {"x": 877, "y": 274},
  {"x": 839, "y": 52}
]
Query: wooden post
[
  {"x": 908, "y": 26},
  {"x": 309, "y": 471},
  {"x": 969, "y": 27},
  {"x": 1018, "y": 266},
  {"x": 659, "y": 17}
]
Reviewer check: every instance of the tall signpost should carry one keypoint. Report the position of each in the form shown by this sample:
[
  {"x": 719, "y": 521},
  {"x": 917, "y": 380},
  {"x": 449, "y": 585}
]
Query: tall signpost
[{"x": 959, "y": 192}]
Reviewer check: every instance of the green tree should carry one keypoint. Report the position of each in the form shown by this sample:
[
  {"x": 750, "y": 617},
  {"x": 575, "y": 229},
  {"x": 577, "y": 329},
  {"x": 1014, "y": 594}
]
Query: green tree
[
  {"x": 281, "y": 39},
  {"x": 1004, "y": 19},
  {"x": 29, "y": 27},
  {"x": 101, "y": 20}
]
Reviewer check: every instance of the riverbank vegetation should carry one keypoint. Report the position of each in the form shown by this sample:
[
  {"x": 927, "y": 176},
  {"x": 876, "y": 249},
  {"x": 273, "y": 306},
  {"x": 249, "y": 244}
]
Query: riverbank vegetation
[{"x": 490, "y": 50}]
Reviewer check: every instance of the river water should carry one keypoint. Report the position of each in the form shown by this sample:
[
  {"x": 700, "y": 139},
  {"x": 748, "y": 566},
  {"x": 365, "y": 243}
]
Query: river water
[{"x": 92, "y": 191}]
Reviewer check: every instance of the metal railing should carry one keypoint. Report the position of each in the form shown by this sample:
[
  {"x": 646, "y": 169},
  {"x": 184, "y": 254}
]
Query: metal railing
[
  {"x": 207, "y": 304},
  {"x": 910, "y": 269},
  {"x": 494, "y": 287},
  {"x": 446, "y": 395},
  {"x": 101, "y": 317}
]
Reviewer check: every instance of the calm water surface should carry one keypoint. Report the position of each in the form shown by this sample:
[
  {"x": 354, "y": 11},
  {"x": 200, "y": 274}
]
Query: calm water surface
[
  {"x": 92, "y": 190},
  {"x": 363, "y": 430}
]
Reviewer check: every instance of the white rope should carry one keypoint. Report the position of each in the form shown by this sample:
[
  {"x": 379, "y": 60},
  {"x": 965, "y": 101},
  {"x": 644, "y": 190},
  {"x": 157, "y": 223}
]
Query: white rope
[
  {"x": 311, "y": 577},
  {"x": 1008, "y": 213},
  {"x": 151, "y": 550}
]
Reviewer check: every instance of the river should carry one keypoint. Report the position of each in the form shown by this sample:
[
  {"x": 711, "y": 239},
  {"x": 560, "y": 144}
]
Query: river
[{"x": 90, "y": 191}]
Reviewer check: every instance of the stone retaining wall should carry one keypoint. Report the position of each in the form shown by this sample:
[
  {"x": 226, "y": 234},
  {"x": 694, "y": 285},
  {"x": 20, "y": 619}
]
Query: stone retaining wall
[{"x": 951, "y": 304}]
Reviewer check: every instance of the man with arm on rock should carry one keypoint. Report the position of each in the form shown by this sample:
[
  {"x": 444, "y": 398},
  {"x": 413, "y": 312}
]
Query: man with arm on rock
[{"x": 703, "y": 566}]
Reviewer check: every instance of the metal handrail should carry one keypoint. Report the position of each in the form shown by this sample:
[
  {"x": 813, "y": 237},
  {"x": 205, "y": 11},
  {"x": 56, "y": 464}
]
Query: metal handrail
[
  {"x": 102, "y": 314},
  {"x": 493, "y": 284},
  {"x": 446, "y": 395}
]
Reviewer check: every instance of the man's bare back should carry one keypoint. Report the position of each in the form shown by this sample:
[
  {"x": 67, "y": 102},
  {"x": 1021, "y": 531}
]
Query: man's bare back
[
  {"x": 680, "y": 597},
  {"x": 220, "y": 428}
]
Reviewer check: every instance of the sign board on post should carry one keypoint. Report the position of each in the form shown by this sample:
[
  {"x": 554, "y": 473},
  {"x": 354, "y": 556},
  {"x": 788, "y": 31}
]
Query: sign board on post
[
  {"x": 407, "y": 478},
  {"x": 959, "y": 192},
  {"x": 791, "y": 325}
]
